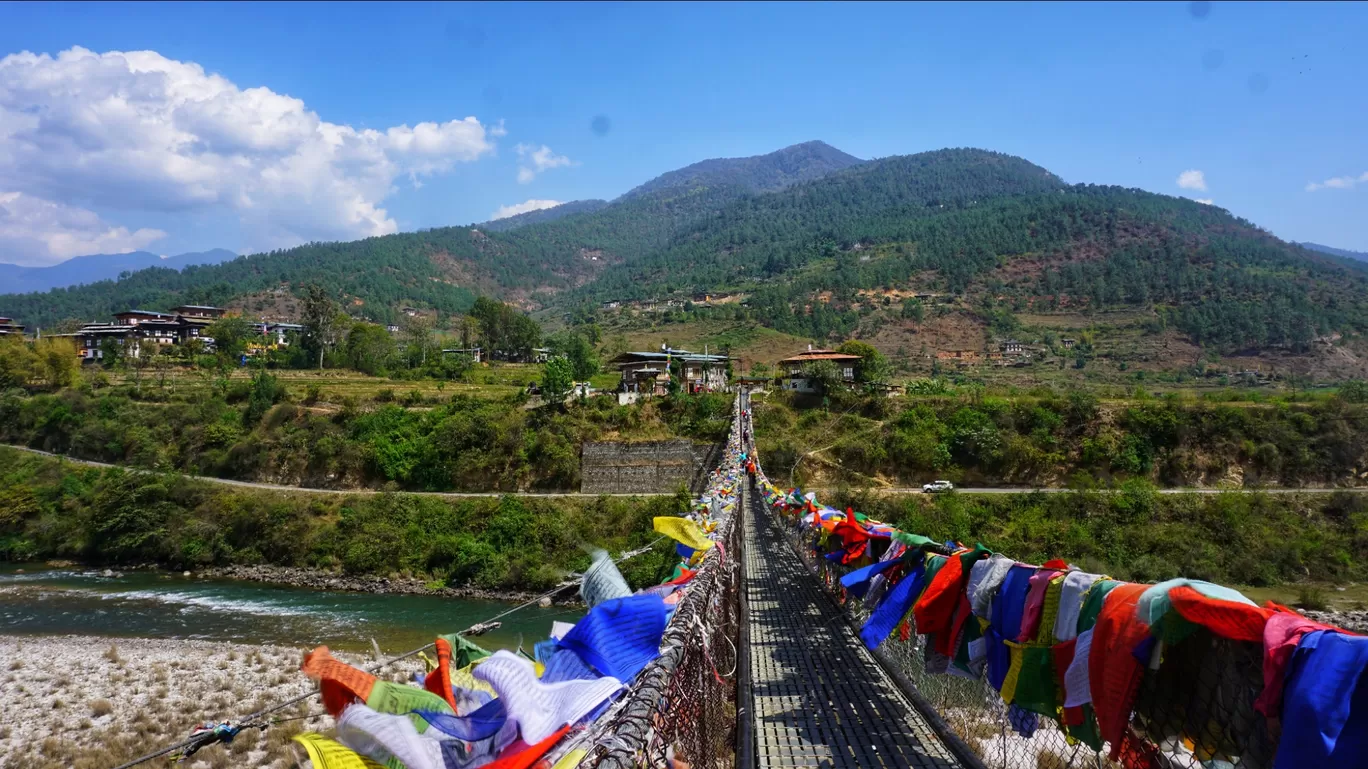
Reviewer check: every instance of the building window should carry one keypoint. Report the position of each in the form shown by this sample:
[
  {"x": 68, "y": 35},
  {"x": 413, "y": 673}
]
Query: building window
[{"x": 848, "y": 372}]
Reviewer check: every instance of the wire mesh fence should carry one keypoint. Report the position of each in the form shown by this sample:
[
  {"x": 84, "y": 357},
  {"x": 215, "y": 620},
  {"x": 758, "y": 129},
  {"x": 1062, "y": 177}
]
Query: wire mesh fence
[
  {"x": 1193, "y": 711},
  {"x": 681, "y": 712}
]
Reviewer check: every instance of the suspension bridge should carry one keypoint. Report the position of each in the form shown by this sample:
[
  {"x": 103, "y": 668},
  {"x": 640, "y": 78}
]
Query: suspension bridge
[{"x": 810, "y": 638}]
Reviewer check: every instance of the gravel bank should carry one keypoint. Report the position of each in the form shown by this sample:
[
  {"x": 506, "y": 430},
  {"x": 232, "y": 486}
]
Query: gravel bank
[{"x": 92, "y": 703}]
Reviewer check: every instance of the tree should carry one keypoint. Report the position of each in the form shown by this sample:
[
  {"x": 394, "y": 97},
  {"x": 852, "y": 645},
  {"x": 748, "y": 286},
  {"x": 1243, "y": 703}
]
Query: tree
[
  {"x": 419, "y": 340},
  {"x": 111, "y": 352},
  {"x": 873, "y": 365},
  {"x": 322, "y": 321},
  {"x": 824, "y": 375},
  {"x": 58, "y": 361},
  {"x": 579, "y": 351},
  {"x": 557, "y": 379},
  {"x": 370, "y": 348},
  {"x": 230, "y": 334},
  {"x": 504, "y": 329},
  {"x": 17, "y": 362}
]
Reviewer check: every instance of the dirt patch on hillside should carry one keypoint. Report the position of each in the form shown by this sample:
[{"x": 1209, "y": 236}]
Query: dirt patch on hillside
[
  {"x": 278, "y": 304},
  {"x": 950, "y": 329}
]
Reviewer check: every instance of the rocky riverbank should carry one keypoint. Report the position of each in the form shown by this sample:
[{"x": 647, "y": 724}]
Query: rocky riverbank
[
  {"x": 318, "y": 579},
  {"x": 1353, "y": 621},
  {"x": 91, "y": 703}
]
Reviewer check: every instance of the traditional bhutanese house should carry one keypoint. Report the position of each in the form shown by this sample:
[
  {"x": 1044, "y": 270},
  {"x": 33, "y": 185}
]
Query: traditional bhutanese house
[
  {"x": 962, "y": 356},
  {"x": 9, "y": 327},
  {"x": 198, "y": 311},
  {"x": 648, "y": 373},
  {"x": 796, "y": 368}
]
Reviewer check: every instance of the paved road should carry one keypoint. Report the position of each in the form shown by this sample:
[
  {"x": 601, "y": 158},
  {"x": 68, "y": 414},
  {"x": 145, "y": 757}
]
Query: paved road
[
  {"x": 308, "y": 490},
  {"x": 459, "y": 494}
]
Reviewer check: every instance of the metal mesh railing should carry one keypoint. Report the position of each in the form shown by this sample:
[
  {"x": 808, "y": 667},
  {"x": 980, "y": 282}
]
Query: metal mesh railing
[
  {"x": 682, "y": 708},
  {"x": 1195, "y": 711}
]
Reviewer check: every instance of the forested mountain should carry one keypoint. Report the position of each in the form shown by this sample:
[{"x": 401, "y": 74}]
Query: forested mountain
[
  {"x": 760, "y": 173},
  {"x": 97, "y": 267},
  {"x": 542, "y": 215},
  {"x": 811, "y": 233}
]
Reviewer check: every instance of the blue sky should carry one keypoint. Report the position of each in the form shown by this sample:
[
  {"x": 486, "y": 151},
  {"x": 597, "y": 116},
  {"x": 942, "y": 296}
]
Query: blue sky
[{"x": 1264, "y": 100}]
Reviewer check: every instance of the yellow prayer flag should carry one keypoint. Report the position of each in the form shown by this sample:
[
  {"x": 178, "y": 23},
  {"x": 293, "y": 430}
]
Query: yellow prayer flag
[
  {"x": 330, "y": 754},
  {"x": 571, "y": 760},
  {"x": 683, "y": 531}
]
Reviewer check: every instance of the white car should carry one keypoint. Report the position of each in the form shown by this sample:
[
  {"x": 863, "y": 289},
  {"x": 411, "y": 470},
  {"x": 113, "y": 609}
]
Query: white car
[{"x": 935, "y": 487}]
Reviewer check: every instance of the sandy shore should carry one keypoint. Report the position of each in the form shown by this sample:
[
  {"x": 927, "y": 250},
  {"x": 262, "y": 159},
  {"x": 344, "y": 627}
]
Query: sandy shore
[{"x": 93, "y": 703}]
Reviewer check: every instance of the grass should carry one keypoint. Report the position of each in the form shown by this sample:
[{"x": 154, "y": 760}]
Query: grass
[
  {"x": 1314, "y": 596},
  {"x": 335, "y": 386},
  {"x": 750, "y": 342}
]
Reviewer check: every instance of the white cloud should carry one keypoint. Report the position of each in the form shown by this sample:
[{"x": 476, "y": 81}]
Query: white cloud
[
  {"x": 35, "y": 232},
  {"x": 135, "y": 130},
  {"x": 1192, "y": 179},
  {"x": 521, "y": 208},
  {"x": 1338, "y": 182},
  {"x": 1207, "y": 201},
  {"x": 533, "y": 160}
]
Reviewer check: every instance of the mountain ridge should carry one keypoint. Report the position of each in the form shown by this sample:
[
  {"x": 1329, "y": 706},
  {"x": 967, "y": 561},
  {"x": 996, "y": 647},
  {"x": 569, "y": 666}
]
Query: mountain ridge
[
  {"x": 568, "y": 208},
  {"x": 756, "y": 173},
  {"x": 92, "y": 268},
  {"x": 1361, "y": 256},
  {"x": 990, "y": 233}
]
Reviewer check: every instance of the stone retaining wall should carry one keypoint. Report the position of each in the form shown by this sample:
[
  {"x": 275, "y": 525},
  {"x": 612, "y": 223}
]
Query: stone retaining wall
[{"x": 647, "y": 467}]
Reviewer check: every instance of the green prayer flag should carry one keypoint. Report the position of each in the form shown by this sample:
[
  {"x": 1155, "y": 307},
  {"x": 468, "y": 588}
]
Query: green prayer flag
[{"x": 463, "y": 650}]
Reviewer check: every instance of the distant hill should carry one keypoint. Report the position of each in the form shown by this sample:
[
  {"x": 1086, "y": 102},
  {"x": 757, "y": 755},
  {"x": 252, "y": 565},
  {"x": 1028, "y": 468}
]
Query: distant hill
[
  {"x": 760, "y": 173},
  {"x": 826, "y": 246},
  {"x": 1347, "y": 254},
  {"x": 542, "y": 215},
  {"x": 96, "y": 267}
]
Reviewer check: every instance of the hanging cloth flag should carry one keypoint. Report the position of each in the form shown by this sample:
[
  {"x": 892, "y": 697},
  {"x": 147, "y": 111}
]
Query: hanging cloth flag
[
  {"x": 683, "y": 531},
  {"x": 895, "y": 605},
  {"x": 320, "y": 665},
  {"x": 463, "y": 650},
  {"x": 540, "y": 709},
  {"x": 1325, "y": 708},
  {"x": 329, "y": 754},
  {"x": 481, "y": 724},
  {"x": 439, "y": 680},
  {"x": 620, "y": 637},
  {"x": 386, "y": 738},
  {"x": 523, "y": 756},
  {"x": 401, "y": 699},
  {"x": 602, "y": 581},
  {"x": 857, "y": 582}
]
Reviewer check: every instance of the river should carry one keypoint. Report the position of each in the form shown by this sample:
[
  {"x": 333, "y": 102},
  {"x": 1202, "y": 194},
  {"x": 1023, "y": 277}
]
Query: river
[{"x": 36, "y": 600}]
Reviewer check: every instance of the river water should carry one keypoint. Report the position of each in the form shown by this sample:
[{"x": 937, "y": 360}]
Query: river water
[{"x": 42, "y": 601}]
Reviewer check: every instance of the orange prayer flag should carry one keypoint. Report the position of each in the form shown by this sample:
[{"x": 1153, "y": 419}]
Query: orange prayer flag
[{"x": 320, "y": 665}]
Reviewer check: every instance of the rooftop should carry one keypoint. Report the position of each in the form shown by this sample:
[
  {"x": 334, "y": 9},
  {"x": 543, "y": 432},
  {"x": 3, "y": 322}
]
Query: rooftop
[
  {"x": 668, "y": 354},
  {"x": 810, "y": 355}
]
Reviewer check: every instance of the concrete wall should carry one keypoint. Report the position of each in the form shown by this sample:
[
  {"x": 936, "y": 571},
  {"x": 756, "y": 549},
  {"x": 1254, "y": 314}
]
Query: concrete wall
[{"x": 638, "y": 468}]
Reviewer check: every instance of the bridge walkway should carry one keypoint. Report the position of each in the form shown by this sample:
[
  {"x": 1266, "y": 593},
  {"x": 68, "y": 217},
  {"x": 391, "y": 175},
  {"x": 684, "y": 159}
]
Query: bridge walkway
[{"x": 818, "y": 698}]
